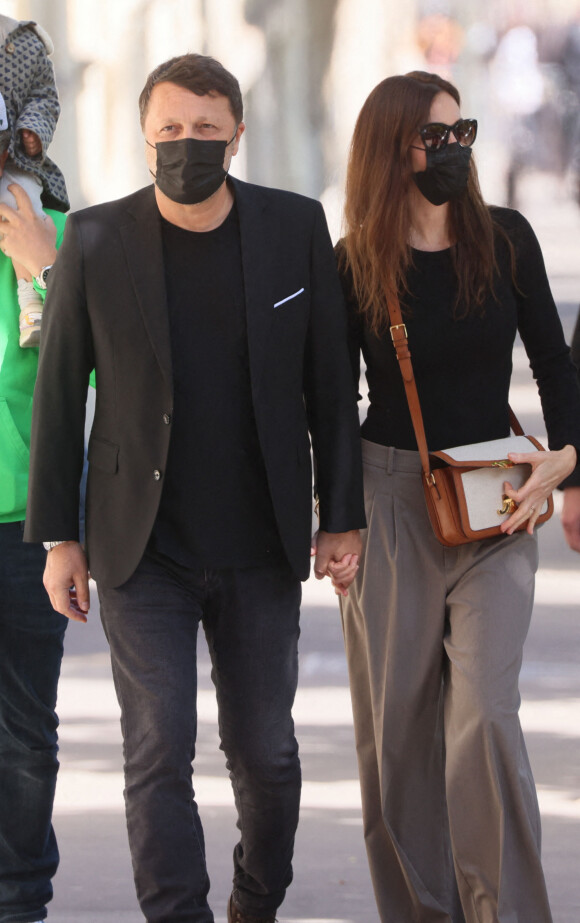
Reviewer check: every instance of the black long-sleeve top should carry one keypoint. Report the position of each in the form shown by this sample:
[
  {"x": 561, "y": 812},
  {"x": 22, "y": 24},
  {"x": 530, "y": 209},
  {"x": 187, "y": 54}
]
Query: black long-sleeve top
[
  {"x": 574, "y": 479},
  {"x": 575, "y": 350},
  {"x": 463, "y": 366}
]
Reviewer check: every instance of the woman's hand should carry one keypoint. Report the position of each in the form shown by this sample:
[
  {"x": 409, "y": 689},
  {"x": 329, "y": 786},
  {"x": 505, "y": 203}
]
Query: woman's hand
[
  {"x": 342, "y": 573},
  {"x": 548, "y": 470}
]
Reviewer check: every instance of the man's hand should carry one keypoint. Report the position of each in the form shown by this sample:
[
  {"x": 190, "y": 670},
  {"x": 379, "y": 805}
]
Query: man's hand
[
  {"x": 337, "y": 555},
  {"x": 571, "y": 517},
  {"x": 27, "y": 238},
  {"x": 66, "y": 580}
]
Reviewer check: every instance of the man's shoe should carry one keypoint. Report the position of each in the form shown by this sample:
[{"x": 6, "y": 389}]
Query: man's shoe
[{"x": 235, "y": 915}]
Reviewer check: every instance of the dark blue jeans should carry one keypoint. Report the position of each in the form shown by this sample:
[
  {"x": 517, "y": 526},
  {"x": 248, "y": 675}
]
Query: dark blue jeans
[
  {"x": 31, "y": 644},
  {"x": 251, "y": 621}
]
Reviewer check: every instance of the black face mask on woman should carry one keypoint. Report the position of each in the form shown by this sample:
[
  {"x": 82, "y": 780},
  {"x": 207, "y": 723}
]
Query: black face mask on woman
[
  {"x": 446, "y": 175},
  {"x": 190, "y": 170}
]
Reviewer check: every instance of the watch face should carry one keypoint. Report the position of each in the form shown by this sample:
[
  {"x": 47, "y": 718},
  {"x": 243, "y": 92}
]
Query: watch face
[{"x": 42, "y": 276}]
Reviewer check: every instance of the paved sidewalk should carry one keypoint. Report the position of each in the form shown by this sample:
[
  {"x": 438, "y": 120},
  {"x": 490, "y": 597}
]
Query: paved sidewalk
[{"x": 94, "y": 884}]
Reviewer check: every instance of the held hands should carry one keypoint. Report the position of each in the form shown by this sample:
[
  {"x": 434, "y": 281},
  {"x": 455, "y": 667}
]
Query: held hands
[
  {"x": 571, "y": 517},
  {"x": 337, "y": 556},
  {"x": 66, "y": 580},
  {"x": 548, "y": 470},
  {"x": 27, "y": 238}
]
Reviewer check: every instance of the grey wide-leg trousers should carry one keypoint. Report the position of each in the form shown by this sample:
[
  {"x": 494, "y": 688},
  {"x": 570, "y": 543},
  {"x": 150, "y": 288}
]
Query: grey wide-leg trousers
[{"x": 434, "y": 640}]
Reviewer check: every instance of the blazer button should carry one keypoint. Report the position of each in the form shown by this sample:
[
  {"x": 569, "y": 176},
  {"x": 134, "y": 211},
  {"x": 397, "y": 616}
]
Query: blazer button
[
  {"x": 157, "y": 474},
  {"x": 166, "y": 419}
]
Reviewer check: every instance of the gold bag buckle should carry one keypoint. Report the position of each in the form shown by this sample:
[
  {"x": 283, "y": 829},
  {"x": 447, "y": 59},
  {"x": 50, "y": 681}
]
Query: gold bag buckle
[{"x": 508, "y": 506}]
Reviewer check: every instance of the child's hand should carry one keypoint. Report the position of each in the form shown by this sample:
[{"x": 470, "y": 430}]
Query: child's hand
[{"x": 30, "y": 142}]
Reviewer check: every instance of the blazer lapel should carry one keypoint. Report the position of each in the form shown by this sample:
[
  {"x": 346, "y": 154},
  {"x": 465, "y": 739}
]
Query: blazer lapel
[
  {"x": 141, "y": 236},
  {"x": 256, "y": 241}
]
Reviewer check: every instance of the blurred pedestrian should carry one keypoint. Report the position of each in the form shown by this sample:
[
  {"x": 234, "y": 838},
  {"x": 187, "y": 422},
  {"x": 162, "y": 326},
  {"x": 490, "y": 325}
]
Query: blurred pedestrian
[
  {"x": 517, "y": 84},
  {"x": 440, "y": 40},
  {"x": 569, "y": 61},
  {"x": 31, "y": 633},
  {"x": 213, "y": 314},
  {"x": 434, "y": 635}
]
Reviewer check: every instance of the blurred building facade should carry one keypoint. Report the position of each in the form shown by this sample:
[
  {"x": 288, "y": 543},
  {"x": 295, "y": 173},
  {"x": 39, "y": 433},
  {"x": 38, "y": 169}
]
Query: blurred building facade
[{"x": 305, "y": 67}]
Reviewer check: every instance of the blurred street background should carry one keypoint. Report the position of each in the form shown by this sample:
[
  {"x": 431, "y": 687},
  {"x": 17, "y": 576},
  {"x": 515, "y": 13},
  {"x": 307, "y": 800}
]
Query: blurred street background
[{"x": 305, "y": 67}]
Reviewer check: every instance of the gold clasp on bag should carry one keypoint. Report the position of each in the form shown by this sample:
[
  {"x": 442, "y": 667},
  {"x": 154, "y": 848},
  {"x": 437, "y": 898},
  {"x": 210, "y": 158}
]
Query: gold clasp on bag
[
  {"x": 508, "y": 506},
  {"x": 503, "y": 463}
]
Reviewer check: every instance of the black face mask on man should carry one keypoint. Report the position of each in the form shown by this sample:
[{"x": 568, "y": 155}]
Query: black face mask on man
[
  {"x": 190, "y": 170},
  {"x": 446, "y": 175}
]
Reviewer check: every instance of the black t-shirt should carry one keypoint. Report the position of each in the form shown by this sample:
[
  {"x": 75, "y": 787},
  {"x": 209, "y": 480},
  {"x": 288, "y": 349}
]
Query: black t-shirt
[
  {"x": 463, "y": 366},
  {"x": 215, "y": 506}
]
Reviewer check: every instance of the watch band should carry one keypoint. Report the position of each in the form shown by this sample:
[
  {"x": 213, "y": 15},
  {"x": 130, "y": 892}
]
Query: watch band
[{"x": 48, "y": 546}]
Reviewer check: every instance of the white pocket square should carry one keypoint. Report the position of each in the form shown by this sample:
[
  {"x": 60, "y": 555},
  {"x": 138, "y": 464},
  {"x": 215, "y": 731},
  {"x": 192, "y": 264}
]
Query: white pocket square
[{"x": 289, "y": 298}]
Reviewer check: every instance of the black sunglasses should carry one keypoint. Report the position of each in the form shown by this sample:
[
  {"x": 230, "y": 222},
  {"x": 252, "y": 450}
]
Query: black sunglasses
[{"x": 435, "y": 135}]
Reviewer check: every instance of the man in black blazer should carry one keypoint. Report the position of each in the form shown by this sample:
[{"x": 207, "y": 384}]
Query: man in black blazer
[{"x": 212, "y": 314}]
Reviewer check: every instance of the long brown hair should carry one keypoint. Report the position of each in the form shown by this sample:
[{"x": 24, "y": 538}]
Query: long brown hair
[{"x": 377, "y": 216}]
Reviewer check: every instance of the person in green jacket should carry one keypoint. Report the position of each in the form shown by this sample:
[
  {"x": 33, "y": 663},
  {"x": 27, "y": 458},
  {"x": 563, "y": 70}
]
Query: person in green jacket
[{"x": 31, "y": 632}]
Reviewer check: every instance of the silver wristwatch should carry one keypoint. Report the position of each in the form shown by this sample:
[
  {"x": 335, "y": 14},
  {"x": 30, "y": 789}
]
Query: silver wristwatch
[
  {"x": 42, "y": 277},
  {"x": 48, "y": 546}
]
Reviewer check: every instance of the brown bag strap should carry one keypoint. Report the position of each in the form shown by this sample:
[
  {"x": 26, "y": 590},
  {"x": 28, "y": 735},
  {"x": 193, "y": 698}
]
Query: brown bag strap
[
  {"x": 400, "y": 342},
  {"x": 515, "y": 423}
]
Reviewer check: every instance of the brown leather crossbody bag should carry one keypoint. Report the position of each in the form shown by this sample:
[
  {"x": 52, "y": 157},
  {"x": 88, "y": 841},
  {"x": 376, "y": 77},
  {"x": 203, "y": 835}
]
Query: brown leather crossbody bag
[{"x": 463, "y": 485}]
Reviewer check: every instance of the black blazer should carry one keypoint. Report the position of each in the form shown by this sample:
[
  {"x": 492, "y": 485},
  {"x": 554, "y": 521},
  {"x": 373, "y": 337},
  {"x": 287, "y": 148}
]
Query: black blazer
[{"x": 106, "y": 308}]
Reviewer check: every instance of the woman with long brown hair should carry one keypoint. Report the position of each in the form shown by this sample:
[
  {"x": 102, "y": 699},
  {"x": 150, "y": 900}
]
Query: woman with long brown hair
[{"x": 434, "y": 635}]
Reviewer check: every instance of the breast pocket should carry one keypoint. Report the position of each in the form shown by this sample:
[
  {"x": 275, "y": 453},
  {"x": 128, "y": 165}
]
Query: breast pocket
[{"x": 287, "y": 300}]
